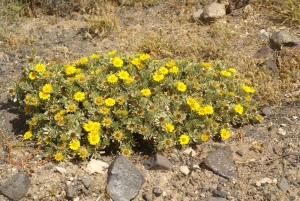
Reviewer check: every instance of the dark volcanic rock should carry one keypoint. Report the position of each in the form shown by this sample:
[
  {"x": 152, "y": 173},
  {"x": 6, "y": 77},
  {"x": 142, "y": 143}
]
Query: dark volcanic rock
[
  {"x": 220, "y": 162},
  {"x": 158, "y": 162},
  {"x": 16, "y": 186},
  {"x": 124, "y": 179}
]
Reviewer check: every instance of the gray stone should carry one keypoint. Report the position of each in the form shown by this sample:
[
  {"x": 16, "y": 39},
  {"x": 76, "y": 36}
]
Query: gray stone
[
  {"x": 215, "y": 199},
  {"x": 284, "y": 185},
  {"x": 158, "y": 162},
  {"x": 213, "y": 12},
  {"x": 124, "y": 179},
  {"x": 282, "y": 38},
  {"x": 87, "y": 180},
  {"x": 240, "y": 152},
  {"x": 157, "y": 191},
  {"x": 254, "y": 134},
  {"x": 220, "y": 162},
  {"x": 233, "y": 4},
  {"x": 286, "y": 120},
  {"x": 267, "y": 57},
  {"x": 220, "y": 194},
  {"x": 267, "y": 111},
  {"x": 16, "y": 186},
  {"x": 71, "y": 191},
  {"x": 147, "y": 196}
]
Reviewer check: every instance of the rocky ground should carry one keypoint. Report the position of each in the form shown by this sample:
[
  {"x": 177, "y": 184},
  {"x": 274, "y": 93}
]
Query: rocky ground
[{"x": 259, "y": 162}]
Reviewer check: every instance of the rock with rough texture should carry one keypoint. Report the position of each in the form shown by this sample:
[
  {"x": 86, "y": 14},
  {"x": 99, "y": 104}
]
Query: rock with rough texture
[
  {"x": 220, "y": 162},
  {"x": 284, "y": 185},
  {"x": 158, "y": 162},
  {"x": 267, "y": 56},
  {"x": 124, "y": 179},
  {"x": 282, "y": 38},
  {"x": 218, "y": 193},
  {"x": 16, "y": 186},
  {"x": 213, "y": 12},
  {"x": 87, "y": 180},
  {"x": 215, "y": 199},
  {"x": 184, "y": 169},
  {"x": 233, "y": 4},
  {"x": 72, "y": 191},
  {"x": 254, "y": 134},
  {"x": 96, "y": 166}
]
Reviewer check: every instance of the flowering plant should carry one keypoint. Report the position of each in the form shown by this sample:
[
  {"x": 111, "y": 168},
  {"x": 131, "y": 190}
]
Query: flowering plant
[{"x": 85, "y": 106}]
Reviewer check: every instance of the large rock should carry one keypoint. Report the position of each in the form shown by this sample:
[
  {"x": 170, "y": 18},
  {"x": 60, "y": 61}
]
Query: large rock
[
  {"x": 124, "y": 179},
  {"x": 16, "y": 186},
  {"x": 220, "y": 162},
  {"x": 213, "y": 12},
  {"x": 282, "y": 38}
]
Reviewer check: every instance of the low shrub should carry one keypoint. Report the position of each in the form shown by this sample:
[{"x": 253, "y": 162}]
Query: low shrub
[{"x": 103, "y": 101}]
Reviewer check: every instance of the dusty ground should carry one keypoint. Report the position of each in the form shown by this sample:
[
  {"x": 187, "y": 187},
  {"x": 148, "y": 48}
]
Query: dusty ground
[{"x": 273, "y": 154}]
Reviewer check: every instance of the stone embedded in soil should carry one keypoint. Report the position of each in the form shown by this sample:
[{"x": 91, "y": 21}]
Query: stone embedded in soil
[
  {"x": 220, "y": 162},
  {"x": 72, "y": 191},
  {"x": 184, "y": 169},
  {"x": 147, "y": 196},
  {"x": 267, "y": 111},
  {"x": 96, "y": 166},
  {"x": 218, "y": 193},
  {"x": 157, "y": 191},
  {"x": 213, "y": 12},
  {"x": 282, "y": 38},
  {"x": 16, "y": 186},
  {"x": 124, "y": 179},
  {"x": 215, "y": 199},
  {"x": 87, "y": 180},
  {"x": 254, "y": 134},
  {"x": 189, "y": 151},
  {"x": 158, "y": 162},
  {"x": 284, "y": 185}
]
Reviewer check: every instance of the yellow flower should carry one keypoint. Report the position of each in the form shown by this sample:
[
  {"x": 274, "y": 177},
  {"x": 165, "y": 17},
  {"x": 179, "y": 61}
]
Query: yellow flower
[
  {"x": 93, "y": 138},
  {"x": 98, "y": 100},
  {"x": 126, "y": 152},
  {"x": 259, "y": 118},
  {"x": 232, "y": 70},
  {"x": 201, "y": 111},
  {"x": 104, "y": 110},
  {"x": 82, "y": 152},
  {"x": 136, "y": 61},
  {"x": 110, "y": 102},
  {"x": 170, "y": 64},
  {"x": 32, "y": 75},
  {"x": 106, "y": 122},
  {"x": 47, "y": 88},
  {"x": 58, "y": 156},
  {"x": 208, "y": 109},
  {"x": 74, "y": 144},
  {"x": 190, "y": 101},
  {"x": 94, "y": 56},
  {"x": 205, "y": 64},
  {"x": 226, "y": 73},
  {"x": 70, "y": 70},
  {"x": 27, "y": 135},
  {"x": 123, "y": 75},
  {"x": 158, "y": 77},
  {"x": 146, "y": 92},
  {"x": 83, "y": 60},
  {"x": 181, "y": 86},
  {"x": 40, "y": 68},
  {"x": 79, "y": 96},
  {"x": 129, "y": 80},
  {"x": 71, "y": 108},
  {"x": 204, "y": 137},
  {"x": 248, "y": 89},
  {"x": 225, "y": 134},
  {"x": 239, "y": 109},
  {"x": 144, "y": 57},
  {"x": 195, "y": 106},
  {"x": 112, "y": 78},
  {"x": 174, "y": 70},
  {"x": 169, "y": 127},
  {"x": 112, "y": 52},
  {"x": 184, "y": 139},
  {"x": 248, "y": 98},
  {"x": 163, "y": 70},
  {"x": 118, "y": 135},
  {"x": 117, "y": 62},
  {"x": 44, "y": 96},
  {"x": 89, "y": 126}
]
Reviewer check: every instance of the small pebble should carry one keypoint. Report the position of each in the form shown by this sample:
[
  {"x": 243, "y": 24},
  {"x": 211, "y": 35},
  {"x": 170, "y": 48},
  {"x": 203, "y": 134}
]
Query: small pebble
[
  {"x": 147, "y": 196},
  {"x": 184, "y": 169},
  {"x": 157, "y": 191}
]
